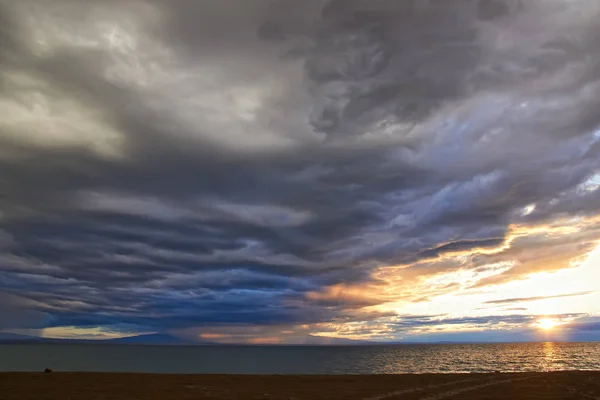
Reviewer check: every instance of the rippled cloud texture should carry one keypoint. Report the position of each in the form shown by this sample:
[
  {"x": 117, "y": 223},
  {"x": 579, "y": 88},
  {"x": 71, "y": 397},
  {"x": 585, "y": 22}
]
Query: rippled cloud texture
[{"x": 273, "y": 171}]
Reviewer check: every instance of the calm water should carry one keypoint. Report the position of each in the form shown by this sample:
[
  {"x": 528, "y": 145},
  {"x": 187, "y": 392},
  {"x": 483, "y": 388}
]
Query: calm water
[{"x": 304, "y": 360}]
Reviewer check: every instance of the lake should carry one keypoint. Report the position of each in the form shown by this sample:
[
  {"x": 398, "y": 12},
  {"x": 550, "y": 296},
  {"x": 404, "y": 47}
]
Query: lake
[{"x": 379, "y": 359}]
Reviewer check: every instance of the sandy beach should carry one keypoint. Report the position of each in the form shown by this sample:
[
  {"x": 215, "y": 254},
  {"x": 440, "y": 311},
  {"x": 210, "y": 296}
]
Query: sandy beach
[{"x": 96, "y": 386}]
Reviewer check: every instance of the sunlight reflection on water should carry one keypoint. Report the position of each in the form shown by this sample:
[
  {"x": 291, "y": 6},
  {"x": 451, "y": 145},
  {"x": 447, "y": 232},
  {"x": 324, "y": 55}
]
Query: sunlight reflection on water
[{"x": 383, "y": 359}]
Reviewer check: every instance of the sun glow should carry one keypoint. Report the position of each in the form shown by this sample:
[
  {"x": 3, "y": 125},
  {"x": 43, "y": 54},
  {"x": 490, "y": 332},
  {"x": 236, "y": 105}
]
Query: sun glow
[{"x": 547, "y": 323}]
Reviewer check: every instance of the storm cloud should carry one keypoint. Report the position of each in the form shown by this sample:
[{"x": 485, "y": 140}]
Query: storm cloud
[{"x": 171, "y": 165}]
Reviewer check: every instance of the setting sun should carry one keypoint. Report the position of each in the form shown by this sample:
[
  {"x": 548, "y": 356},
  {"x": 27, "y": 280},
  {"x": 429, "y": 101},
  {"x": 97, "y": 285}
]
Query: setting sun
[{"x": 547, "y": 323}]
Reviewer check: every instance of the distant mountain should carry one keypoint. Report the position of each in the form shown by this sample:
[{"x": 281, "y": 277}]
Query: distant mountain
[
  {"x": 8, "y": 338},
  {"x": 331, "y": 341},
  {"x": 153, "y": 338},
  {"x": 166, "y": 339},
  {"x": 14, "y": 337}
]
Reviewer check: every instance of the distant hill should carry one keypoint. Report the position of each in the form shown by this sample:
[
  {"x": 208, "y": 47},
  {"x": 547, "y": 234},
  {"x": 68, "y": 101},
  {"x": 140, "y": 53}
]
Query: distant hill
[
  {"x": 153, "y": 338},
  {"x": 8, "y": 338},
  {"x": 164, "y": 340},
  {"x": 13, "y": 337},
  {"x": 150, "y": 339}
]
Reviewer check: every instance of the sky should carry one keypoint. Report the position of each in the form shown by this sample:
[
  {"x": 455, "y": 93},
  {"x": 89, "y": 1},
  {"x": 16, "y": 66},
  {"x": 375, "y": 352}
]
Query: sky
[{"x": 300, "y": 172}]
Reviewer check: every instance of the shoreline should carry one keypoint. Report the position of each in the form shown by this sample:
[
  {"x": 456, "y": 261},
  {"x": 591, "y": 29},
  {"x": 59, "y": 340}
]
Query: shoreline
[{"x": 117, "y": 386}]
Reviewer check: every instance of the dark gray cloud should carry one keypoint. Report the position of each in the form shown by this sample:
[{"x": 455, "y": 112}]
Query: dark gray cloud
[
  {"x": 590, "y": 326},
  {"x": 172, "y": 165},
  {"x": 19, "y": 312}
]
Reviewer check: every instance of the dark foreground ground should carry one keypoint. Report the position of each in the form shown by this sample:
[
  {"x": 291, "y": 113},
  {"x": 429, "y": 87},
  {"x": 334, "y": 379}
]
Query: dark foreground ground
[{"x": 95, "y": 386}]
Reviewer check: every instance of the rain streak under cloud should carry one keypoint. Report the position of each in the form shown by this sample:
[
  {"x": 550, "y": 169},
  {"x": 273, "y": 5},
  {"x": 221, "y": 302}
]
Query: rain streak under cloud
[{"x": 283, "y": 171}]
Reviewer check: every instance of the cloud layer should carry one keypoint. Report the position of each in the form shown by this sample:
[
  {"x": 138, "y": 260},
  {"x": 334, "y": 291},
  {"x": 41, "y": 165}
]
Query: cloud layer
[{"x": 292, "y": 166}]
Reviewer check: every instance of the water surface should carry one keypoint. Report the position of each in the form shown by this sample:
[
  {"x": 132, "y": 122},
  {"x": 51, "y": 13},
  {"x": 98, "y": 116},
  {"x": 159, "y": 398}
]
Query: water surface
[{"x": 384, "y": 359}]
